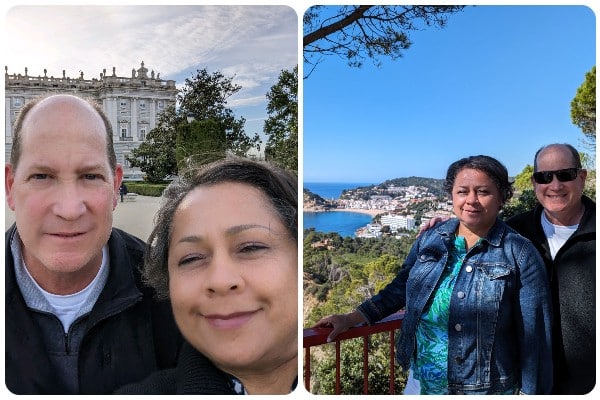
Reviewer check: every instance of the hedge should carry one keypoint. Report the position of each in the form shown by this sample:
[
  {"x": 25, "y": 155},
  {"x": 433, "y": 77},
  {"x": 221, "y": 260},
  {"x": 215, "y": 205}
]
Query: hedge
[{"x": 146, "y": 189}]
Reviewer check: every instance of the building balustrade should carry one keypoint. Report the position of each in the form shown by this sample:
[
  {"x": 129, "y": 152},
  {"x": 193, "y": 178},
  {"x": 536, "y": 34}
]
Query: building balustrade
[
  {"x": 318, "y": 336},
  {"x": 66, "y": 82}
]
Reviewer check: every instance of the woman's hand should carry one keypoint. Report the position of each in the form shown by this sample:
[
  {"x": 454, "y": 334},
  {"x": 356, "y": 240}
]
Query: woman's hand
[
  {"x": 340, "y": 323},
  {"x": 431, "y": 224}
]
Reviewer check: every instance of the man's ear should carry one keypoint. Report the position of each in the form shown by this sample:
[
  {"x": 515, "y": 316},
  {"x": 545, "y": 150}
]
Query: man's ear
[
  {"x": 117, "y": 184},
  {"x": 9, "y": 180}
]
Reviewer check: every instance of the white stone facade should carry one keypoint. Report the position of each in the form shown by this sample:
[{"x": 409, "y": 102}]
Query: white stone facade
[
  {"x": 396, "y": 222},
  {"x": 132, "y": 104}
]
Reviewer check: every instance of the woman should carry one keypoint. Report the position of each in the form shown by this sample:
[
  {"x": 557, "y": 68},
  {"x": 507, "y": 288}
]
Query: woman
[
  {"x": 476, "y": 295},
  {"x": 224, "y": 250}
]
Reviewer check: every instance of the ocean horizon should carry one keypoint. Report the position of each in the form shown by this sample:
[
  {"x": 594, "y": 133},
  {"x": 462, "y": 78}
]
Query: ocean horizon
[{"x": 332, "y": 190}]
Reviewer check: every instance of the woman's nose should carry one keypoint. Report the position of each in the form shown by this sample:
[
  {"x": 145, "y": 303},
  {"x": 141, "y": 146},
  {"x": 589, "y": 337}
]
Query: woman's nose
[{"x": 224, "y": 276}]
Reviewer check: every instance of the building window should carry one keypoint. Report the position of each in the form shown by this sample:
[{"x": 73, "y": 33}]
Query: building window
[
  {"x": 125, "y": 160},
  {"x": 123, "y": 103},
  {"x": 17, "y": 101},
  {"x": 143, "y": 134},
  {"x": 161, "y": 104},
  {"x": 125, "y": 135},
  {"x": 142, "y": 104}
]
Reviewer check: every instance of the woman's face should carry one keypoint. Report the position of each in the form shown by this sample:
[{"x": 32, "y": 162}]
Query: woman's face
[
  {"x": 233, "y": 278},
  {"x": 476, "y": 200}
]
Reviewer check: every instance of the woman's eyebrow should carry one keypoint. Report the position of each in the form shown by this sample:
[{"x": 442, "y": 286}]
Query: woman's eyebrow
[
  {"x": 190, "y": 239},
  {"x": 240, "y": 228},
  {"x": 229, "y": 232}
]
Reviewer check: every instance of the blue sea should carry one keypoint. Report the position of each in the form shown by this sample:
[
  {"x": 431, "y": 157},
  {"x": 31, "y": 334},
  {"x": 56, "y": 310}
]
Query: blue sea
[
  {"x": 342, "y": 222},
  {"x": 328, "y": 190}
]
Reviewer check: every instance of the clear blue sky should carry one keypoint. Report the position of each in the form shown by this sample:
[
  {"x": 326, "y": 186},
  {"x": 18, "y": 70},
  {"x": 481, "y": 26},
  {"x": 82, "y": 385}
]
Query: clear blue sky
[{"x": 498, "y": 80}]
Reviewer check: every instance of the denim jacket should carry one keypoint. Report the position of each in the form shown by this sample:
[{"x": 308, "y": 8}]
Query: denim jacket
[{"x": 500, "y": 313}]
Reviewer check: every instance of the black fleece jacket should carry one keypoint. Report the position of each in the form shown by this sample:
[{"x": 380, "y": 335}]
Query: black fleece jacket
[{"x": 572, "y": 276}]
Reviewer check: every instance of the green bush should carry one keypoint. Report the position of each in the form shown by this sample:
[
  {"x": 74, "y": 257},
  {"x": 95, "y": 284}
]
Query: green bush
[{"x": 146, "y": 189}]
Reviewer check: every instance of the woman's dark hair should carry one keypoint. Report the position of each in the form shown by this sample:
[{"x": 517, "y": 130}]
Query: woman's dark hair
[
  {"x": 488, "y": 165},
  {"x": 278, "y": 185}
]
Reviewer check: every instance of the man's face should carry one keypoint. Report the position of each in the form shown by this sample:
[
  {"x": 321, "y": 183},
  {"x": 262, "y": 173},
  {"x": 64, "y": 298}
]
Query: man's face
[
  {"x": 63, "y": 191},
  {"x": 558, "y": 197}
]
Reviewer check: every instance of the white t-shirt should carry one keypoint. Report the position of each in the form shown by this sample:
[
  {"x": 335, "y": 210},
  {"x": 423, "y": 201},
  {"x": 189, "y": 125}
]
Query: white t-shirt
[
  {"x": 557, "y": 235},
  {"x": 69, "y": 307}
]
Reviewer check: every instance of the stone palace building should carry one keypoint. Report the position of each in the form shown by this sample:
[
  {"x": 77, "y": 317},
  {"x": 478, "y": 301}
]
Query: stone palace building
[{"x": 131, "y": 103}]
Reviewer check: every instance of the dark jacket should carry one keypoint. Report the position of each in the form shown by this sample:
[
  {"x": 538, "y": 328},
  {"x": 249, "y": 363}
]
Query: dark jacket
[
  {"x": 194, "y": 374},
  {"x": 572, "y": 276},
  {"x": 128, "y": 333}
]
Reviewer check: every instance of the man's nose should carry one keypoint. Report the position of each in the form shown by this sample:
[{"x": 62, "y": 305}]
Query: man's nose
[{"x": 69, "y": 203}]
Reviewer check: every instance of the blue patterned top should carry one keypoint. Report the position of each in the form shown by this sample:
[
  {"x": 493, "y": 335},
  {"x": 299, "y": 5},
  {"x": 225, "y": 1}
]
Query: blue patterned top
[{"x": 431, "y": 363}]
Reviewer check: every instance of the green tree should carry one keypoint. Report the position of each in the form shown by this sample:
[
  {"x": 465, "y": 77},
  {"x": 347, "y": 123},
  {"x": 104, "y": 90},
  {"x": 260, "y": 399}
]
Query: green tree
[
  {"x": 589, "y": 164},
  {"x": 583, "y": 108},
  {"x": 156, "y": 155},
  {"x": 204, "y": 97},
  {"x": 199, "y": 142},
  {"x": 523, "y": 179},
  {"x": 524, "y": 202},
  {"x": 282, "y": 124},
  {"x": 357, "y": 32}
]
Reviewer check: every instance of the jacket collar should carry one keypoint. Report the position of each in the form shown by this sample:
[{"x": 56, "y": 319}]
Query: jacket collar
[
  {"x": 588, "y": 221},
  {"x": 120, "y": 289},
  {"x": 493, "y": 237},
  {"x": 196, "y": 374},
  {"x": 586, "y": 225}
]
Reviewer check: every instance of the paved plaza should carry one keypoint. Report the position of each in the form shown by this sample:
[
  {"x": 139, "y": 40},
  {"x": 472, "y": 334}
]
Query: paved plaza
[{"x": 134, "y": 217}]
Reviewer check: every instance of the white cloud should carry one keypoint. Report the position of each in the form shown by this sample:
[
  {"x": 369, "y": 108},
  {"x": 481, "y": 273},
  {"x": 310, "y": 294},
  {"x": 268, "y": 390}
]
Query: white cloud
[{"x": 252, "y": 43}]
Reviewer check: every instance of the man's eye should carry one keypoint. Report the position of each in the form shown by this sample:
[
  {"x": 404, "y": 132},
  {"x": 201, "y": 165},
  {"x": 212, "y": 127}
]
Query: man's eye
[
  {"x": 39, "y": 176},
  {"x": 91, "y": 177}
]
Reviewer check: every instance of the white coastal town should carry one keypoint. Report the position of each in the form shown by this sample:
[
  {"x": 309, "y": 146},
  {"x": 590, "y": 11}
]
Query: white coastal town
[{"x": 396, "y": 210}]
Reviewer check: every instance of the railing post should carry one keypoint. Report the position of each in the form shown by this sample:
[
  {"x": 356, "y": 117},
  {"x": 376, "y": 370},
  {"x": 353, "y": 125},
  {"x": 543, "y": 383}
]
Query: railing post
[
  {"x": 365, "y": 365},
  {"x": 392, "y": 366},
  {"x": 338, "y": 367},
  {"x": 307, "y": 368}
]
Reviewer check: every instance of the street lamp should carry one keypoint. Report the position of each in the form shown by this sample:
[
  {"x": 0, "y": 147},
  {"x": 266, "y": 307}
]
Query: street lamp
[{"x": 190, "y": 117}]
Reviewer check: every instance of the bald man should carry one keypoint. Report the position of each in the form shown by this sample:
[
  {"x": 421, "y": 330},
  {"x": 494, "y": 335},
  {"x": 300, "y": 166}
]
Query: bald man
[
  {"x": 79, "y": 320},
  {"x": 563, "y": 229}
]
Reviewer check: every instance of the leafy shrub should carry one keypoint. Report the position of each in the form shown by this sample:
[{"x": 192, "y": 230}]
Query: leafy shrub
[{"x": 146, "y": 189}]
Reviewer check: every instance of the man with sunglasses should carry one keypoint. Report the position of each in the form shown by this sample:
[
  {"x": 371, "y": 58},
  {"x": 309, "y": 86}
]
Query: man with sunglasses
[{"x": 563, "y": 229}]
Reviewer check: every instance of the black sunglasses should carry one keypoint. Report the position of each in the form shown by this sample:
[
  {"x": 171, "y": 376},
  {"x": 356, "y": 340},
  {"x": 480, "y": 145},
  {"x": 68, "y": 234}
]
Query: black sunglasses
[{"x": 563, "y": 175}]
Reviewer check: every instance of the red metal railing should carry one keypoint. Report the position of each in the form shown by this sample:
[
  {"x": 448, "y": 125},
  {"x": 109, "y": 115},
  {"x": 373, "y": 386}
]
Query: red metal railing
[{"x": 318, "y": 336}]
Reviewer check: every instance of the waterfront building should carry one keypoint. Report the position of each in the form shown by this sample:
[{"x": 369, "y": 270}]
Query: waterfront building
[
  {"x": 132, "y": 104},
  {"x": 396, "y": 222}
]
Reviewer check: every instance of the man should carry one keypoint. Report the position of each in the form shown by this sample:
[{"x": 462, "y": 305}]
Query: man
[
  {"x": 122, "y": 191},
  {"x": 78, "y": 318},
  {"x": 563, "y": 229}
]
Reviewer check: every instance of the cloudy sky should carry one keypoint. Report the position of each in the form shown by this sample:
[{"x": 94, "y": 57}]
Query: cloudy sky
[{"x": 252, "y": 43}]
